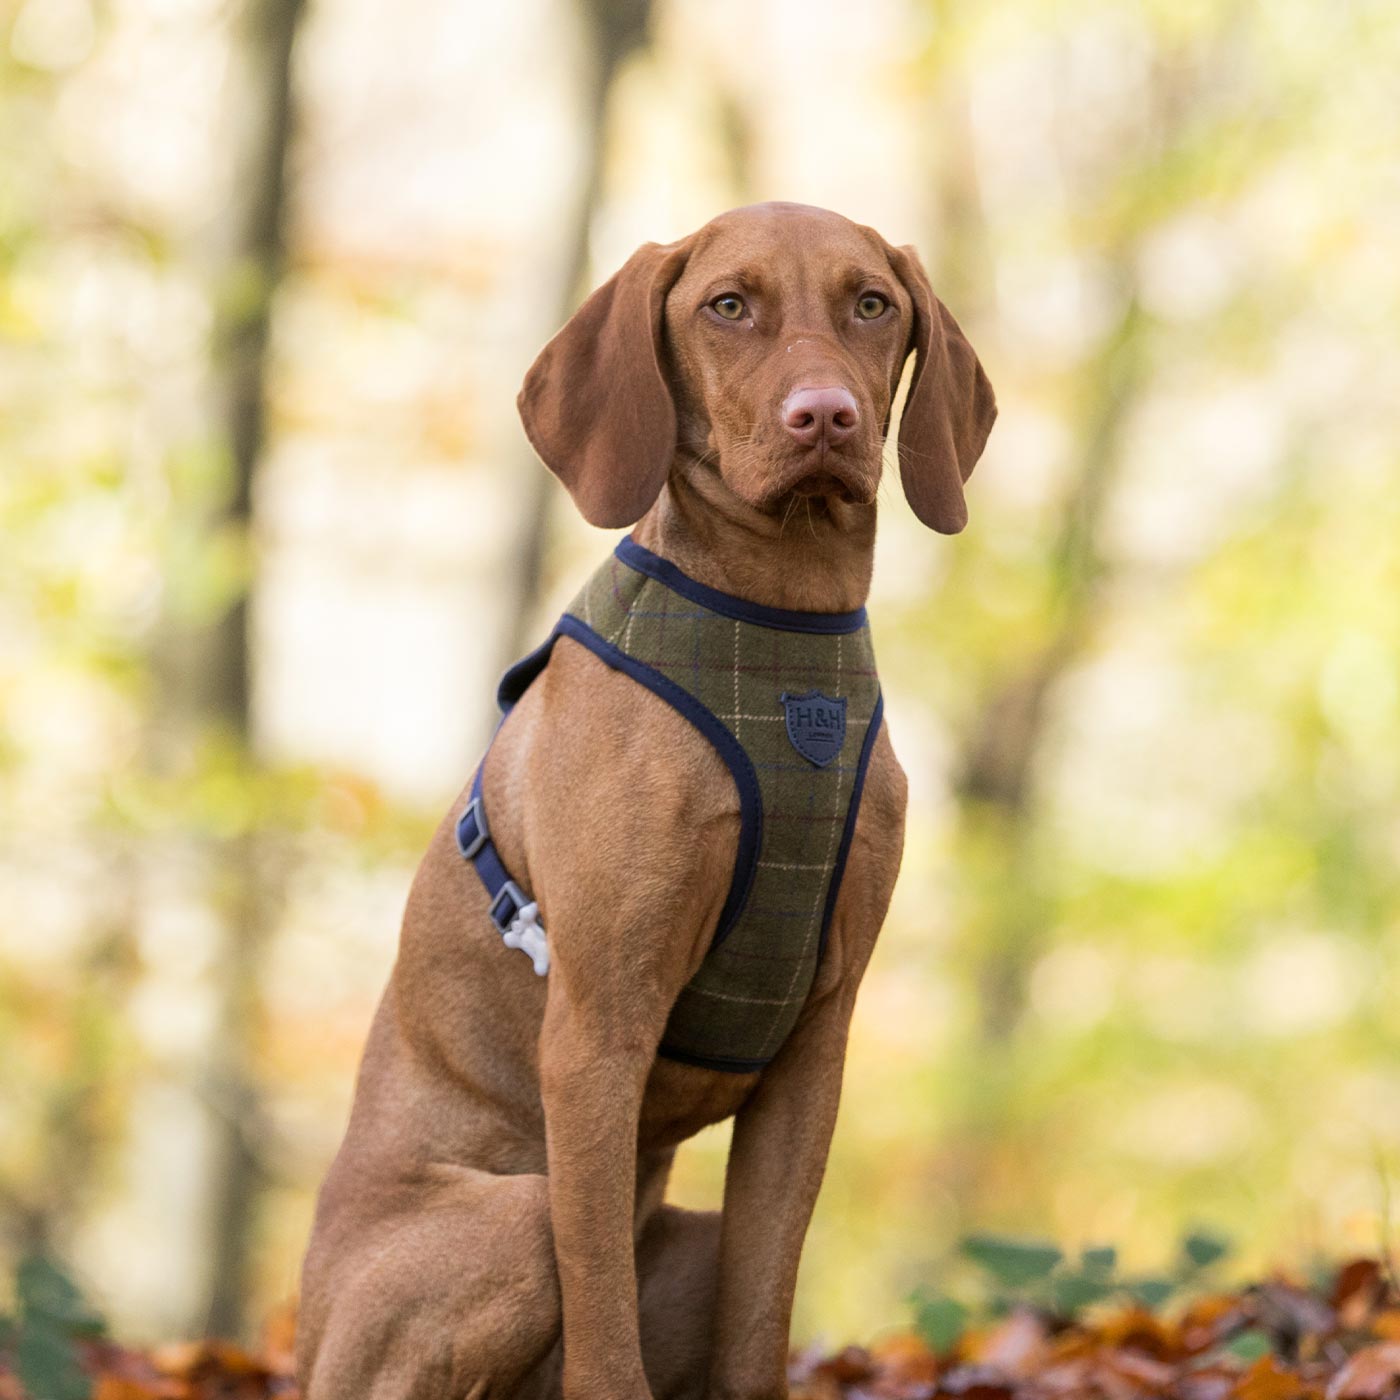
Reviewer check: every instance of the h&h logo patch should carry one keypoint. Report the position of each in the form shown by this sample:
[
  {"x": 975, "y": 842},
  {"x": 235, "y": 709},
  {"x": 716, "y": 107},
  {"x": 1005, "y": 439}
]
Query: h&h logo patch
[{"x": 816, "y": 725}]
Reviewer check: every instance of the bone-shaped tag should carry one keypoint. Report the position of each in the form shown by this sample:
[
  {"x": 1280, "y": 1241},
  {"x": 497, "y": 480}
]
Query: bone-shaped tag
[{"x": 527, "y": 934}]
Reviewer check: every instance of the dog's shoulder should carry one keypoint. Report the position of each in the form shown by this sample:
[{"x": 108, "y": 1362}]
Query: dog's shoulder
[
  {"x": 592, "y": 770},
  {"x": 592, "y": 730},
  {"x": 609, "y": 799}
]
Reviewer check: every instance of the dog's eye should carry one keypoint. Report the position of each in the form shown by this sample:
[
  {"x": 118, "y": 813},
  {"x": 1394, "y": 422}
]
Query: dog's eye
[
  {"x": 871, "y": 306},
  {"x": 729, "y": 306}
]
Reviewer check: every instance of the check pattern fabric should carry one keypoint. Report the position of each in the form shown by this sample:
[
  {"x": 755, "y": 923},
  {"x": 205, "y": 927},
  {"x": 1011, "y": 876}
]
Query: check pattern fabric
[{"x": 744, "y": 1000}]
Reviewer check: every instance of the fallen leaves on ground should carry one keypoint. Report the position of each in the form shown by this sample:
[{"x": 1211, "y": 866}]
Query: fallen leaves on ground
[
  {"x": 1277, "y": 1340},
  {"x": 208, "y": 1370}
]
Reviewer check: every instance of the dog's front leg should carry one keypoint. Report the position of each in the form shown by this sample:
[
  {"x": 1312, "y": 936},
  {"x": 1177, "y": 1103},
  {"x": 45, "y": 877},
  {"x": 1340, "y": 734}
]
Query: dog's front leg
[
  {"x": 776, "y": 1162},
  {"x": 783, "y": 1133},
  {"x": 597, "y": 1047}
]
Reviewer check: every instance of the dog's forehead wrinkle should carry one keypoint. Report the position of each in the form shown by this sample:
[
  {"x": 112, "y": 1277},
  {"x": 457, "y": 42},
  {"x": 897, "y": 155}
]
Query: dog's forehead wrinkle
[{"x": 790, "y": 237}]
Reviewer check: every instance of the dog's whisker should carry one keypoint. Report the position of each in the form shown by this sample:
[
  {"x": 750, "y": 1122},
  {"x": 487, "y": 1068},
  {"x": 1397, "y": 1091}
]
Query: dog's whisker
[
  {"x": 702, "y": 449},
  {"x": 787, "y": 515}
]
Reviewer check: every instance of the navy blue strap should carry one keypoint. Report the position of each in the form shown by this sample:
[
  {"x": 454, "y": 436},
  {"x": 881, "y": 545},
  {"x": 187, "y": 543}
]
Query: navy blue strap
[
  {"x": 852, "y": 812},
  {"x": 733, "y": 753},
  {"x": 474, "y": 837},
  {"x": 473, "y": 831},
  {"x": 475, "y": 843},
  {"x": 637, "y": 557},
  {"x": 519, "y": 678}
]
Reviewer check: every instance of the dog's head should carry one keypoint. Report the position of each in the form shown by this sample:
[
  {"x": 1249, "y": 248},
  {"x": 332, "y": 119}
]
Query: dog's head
[{"x": 765, "y": 349}]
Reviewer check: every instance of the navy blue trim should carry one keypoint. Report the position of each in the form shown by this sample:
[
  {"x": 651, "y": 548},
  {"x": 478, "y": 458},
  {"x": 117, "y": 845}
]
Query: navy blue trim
[
  {"x": 849, "y": 830},
  {"x": 726, "y": 745},
  {"x": 727, "y": 605},
  {"x": 472, "y": 829},
  {"x": 484, "y": 857},
  {"x": 517, "y": 680},
  {"x": 719, "y": 1062},
  {"x": 472, "y": 826}
]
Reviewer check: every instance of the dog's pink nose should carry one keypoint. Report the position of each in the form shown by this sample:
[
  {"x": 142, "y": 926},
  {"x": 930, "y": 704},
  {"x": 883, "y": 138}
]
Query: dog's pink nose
[{"x": 815, "y": 416}]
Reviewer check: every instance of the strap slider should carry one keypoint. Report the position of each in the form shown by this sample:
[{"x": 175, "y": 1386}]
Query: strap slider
[{"x": 472, "y": 831}]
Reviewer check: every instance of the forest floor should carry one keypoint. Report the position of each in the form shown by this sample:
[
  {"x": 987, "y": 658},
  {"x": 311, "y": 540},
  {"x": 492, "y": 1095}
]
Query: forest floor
[{"x": 1334, "y": 1338}]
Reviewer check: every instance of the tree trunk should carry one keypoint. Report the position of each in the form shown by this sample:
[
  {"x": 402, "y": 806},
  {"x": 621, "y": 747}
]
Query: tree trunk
[
  {"x": 257, "y": 261},
  {"x": 613, "y": 30}
]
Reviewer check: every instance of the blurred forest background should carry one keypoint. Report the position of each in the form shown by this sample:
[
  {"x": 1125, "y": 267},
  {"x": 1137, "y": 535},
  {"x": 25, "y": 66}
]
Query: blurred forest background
[{"x": 269, "y": 277}]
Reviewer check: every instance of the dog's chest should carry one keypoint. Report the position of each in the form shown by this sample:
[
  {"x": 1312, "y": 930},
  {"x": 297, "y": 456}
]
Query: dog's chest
[{"x": 791, "y": 702}]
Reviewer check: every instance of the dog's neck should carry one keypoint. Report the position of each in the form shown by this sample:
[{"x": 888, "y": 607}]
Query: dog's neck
[{"x": 809, "y": 557}]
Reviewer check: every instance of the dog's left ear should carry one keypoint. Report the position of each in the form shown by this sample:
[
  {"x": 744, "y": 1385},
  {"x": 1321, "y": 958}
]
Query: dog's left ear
[
  {"x": 950, "y": 408},
  {"x": 596, "y": 404}
]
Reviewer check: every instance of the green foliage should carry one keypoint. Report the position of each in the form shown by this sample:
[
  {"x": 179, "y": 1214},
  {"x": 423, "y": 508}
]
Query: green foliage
[
  {"x": 1012, "y": 1263},
  {"x": 47, "y": 1294},
  {"x": 1200, "y": 1251},
  {"x": 1150, "y": 1293},
  {"x": 1250, "y": 1344},
  {"x": 938, "y": 1319},
  {"x": 1011, "y": 1274},
  {"x": 1074, "y": 1289},
  {"x": 52, "y": 1317}
]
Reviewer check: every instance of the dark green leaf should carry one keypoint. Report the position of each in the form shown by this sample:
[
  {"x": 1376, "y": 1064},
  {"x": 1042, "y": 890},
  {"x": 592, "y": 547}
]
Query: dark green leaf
[
  {"x": 47, "y": 1295},
  {"x": 47, "y": 1365},
  {"x": 1099, "y": 1258},
  {"x": 1151, "y": 1293},
  {"x": 1073, "y": 1292},
  {"x": 939, "y": 1320},
  {"x": 1013, "y": 1263},
  {"x": 1202, "y": 1250}
]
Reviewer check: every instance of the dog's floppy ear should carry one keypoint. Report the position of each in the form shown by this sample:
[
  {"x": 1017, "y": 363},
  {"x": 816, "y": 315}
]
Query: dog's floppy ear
[
  {"x": 950, "y": 408},
  {"x": 596, "y": 404}
]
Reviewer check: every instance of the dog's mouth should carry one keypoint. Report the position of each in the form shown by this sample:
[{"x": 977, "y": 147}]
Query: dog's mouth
[
  {"x": 826, "y": 477},
  {"x": 815, "y": 480},
  {"x": 825, "y": 484}
]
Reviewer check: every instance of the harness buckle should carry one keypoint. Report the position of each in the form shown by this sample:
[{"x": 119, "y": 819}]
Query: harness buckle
[
  {"x": 518, "y": 922},
  {"x": 472, "y": 831}
]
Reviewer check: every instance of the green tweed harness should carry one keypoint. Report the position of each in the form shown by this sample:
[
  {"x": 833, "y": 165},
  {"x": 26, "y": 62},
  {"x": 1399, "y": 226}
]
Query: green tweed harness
[{"x": 791, "y": 702}]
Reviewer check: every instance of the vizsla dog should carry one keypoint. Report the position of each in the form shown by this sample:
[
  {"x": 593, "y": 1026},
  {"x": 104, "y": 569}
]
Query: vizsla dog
[{"x": 652, "y": 909}]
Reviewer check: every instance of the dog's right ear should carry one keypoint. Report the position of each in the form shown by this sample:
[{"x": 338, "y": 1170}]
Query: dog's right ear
[{"x": 596, "y": 404}]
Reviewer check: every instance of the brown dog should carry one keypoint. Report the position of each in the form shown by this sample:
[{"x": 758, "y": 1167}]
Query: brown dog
[{"x": 494, "y": 1222}]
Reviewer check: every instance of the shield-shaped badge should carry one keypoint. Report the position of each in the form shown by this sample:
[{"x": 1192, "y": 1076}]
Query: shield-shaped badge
[{"x": 816, "y": 724}]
